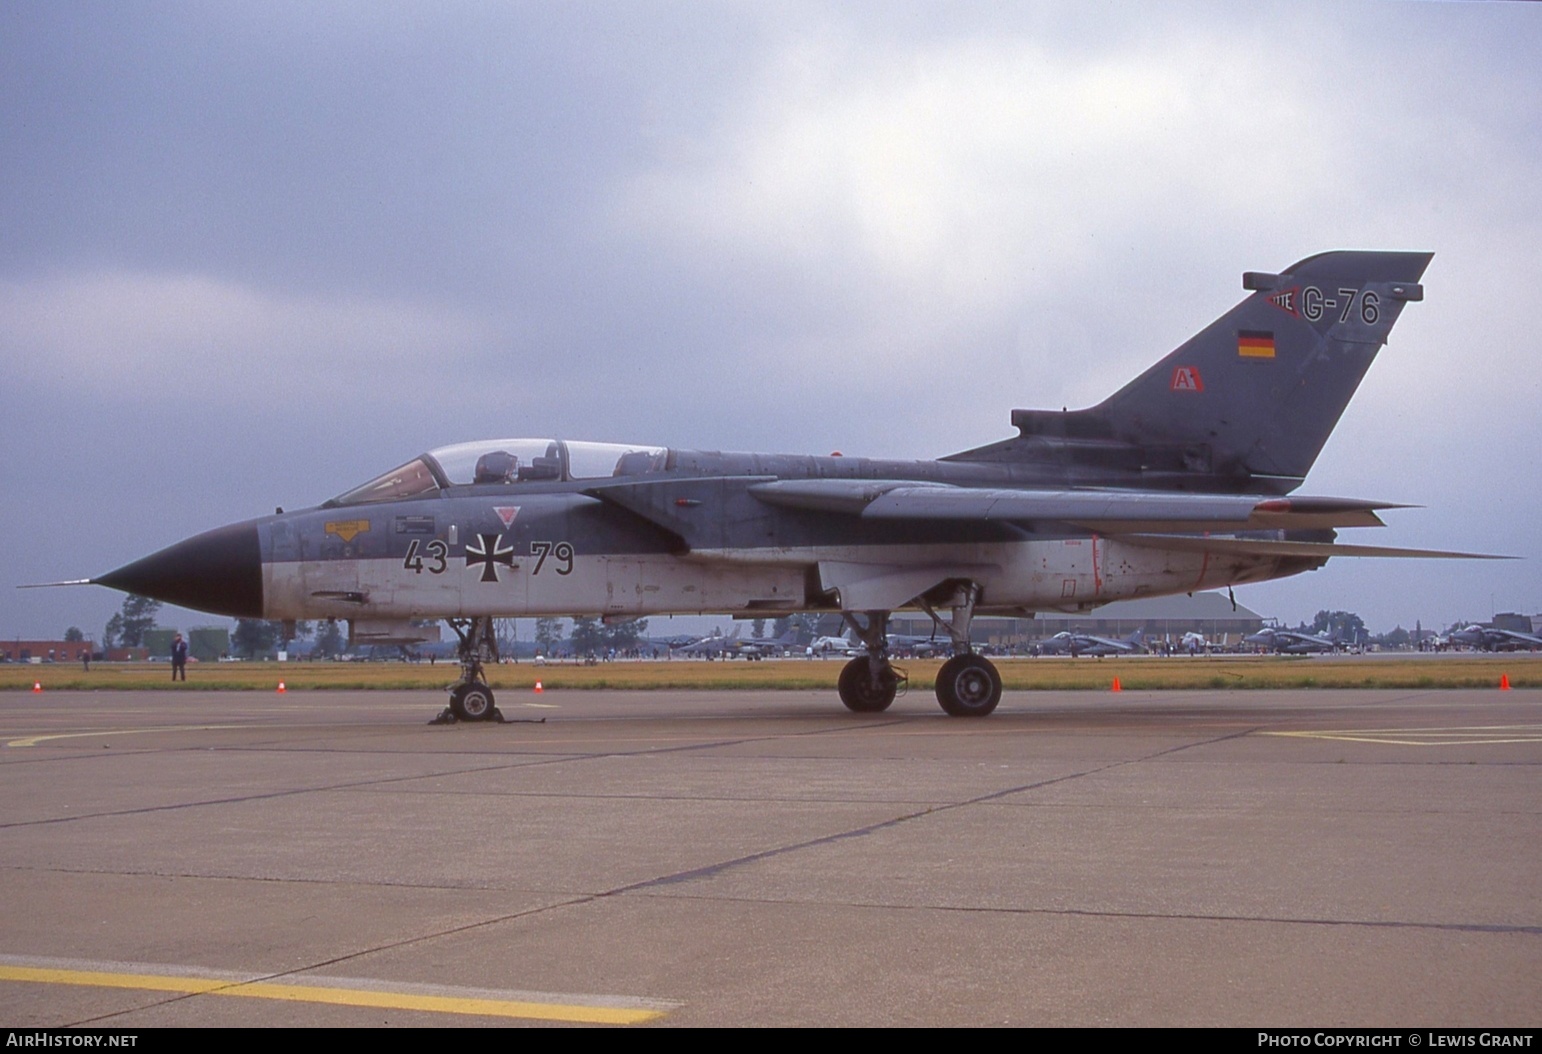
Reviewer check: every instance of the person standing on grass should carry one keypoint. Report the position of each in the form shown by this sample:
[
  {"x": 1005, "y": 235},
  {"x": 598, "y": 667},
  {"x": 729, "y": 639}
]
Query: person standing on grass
[{"x": 178, "y": 658}]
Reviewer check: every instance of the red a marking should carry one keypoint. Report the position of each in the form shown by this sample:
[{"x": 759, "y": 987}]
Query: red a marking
[{"x": 1186, "y": 379}]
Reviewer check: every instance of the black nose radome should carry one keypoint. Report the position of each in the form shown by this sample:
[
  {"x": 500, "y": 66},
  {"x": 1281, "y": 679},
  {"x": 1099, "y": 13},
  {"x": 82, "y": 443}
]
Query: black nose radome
[{"x": 219, "y": 571}]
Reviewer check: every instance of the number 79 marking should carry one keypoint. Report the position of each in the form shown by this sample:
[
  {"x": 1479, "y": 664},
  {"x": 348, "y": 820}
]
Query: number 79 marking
[{"x": 561, "y": 552}]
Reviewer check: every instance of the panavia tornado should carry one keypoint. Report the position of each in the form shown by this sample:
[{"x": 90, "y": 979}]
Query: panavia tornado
[{"x": 1181, "y": 480}]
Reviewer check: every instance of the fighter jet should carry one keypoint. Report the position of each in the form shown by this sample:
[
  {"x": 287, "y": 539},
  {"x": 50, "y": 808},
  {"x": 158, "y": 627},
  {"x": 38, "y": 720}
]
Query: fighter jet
[
  {"x": 1076, "y": 644},
  {"x": 1491, "y": 638},
  {"x": 833, "y": 646},
  {"x": 715, "y": 645},
  {"x": 1177, "y": 482},
  {"x": 1194, "y": 643},
  {"x": 760, "y": 647},
  {"x": 896, "y": 643},
  {"x": 910, "y": 644},
  {"x": 1289, "y": 642}
]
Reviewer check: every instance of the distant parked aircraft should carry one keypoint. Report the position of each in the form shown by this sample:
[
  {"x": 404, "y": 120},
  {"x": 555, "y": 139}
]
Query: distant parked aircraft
[
  {"x": 1489, "y": 638},
  {"x": 1288, "y": 642},
  {"x": 1074, "y": 644}
]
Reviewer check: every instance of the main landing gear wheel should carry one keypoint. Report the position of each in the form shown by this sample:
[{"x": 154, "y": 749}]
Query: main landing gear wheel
[
  {"x": 968, "y": 686},
  {"x": 860, "y": 692},
  {"x": 472, "y": 702}
]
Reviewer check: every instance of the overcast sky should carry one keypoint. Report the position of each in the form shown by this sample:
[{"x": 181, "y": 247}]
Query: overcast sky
[{"x": 251, "y": 255}]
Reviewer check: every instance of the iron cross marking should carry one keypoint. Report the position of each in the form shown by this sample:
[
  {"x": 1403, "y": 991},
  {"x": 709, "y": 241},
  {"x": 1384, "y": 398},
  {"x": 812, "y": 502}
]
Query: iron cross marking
[{"x": 489, "y": 550}]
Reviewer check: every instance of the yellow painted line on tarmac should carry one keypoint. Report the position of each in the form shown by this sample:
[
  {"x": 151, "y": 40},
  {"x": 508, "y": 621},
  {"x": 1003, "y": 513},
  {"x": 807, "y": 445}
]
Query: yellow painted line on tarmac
[
  {"x": 594, "y": 1010},
  {"x": 1426, "y": 737},
  {"x": 32, "y": 741}
]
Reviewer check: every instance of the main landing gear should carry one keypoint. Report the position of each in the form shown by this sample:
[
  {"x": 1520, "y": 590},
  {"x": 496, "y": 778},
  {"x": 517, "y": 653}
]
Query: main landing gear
[
  {"x": 968, "y": 685},
  {"x": 470, "y": 697},
  {"x": 869, "y": 683}
]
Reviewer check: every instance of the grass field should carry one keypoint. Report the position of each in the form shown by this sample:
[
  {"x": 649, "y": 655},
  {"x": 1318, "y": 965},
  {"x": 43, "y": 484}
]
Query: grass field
[{"x": 1134, "y": 674}]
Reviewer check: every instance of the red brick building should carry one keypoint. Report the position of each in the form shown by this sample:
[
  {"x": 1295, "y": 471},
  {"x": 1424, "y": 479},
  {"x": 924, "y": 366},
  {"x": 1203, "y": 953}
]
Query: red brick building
[{"x": 46, "y": 650}]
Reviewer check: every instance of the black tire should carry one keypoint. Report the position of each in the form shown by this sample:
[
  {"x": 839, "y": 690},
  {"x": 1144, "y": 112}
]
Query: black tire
[
  {"x": 859, "y": 693},
  {"x": 968, "y": 686},
  {"x": 472, "y": 702}
]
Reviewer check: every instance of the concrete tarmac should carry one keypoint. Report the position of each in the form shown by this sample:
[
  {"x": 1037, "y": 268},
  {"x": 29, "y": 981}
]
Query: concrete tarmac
[{"x": 1318, "y": 858}]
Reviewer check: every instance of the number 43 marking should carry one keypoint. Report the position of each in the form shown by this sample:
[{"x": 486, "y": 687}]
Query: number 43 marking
[
  {"x": 561, "y": 552},
  {"x": 437, "y": 551}
]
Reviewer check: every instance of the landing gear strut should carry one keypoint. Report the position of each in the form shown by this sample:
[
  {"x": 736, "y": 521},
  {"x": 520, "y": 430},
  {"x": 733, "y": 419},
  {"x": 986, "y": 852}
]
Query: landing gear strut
[
  {"x": 869, "y": 683},
  {"x": 470, "y": 697},
  {"x": 968, "y": 685}
]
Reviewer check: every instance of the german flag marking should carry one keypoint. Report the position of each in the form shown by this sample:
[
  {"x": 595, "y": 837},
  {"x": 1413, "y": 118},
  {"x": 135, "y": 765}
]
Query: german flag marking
[{"x": 1255, "y": 344}]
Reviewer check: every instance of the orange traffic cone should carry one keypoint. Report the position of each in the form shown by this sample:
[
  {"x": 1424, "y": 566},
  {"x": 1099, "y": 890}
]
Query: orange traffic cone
[
  {"x": 1116, "y": 685},
  {"x": 538, "y": 688},
  {"x": 281, "y": 687},
  {"x": 37, "y": 686},
  {"x": 1504, "y": 682}
]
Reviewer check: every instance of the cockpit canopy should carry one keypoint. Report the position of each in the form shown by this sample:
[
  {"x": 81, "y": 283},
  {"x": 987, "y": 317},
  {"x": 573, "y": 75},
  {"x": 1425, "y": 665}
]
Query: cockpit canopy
[{"x": 506, "y": 461}]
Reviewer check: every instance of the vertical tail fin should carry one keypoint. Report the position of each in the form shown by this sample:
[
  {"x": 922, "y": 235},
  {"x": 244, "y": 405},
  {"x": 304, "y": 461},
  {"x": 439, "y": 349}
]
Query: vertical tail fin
[
  {"x": 1263, "y": 386},
  {"x": 1250, "y": 399}
]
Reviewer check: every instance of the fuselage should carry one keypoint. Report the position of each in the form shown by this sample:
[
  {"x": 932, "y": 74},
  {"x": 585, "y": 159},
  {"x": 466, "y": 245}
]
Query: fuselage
[{"x": 538, "y": 527}]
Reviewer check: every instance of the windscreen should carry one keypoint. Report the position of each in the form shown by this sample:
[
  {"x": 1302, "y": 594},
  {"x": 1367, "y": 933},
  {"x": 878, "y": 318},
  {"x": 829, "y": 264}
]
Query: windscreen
[{"x": 415, "y": 477}]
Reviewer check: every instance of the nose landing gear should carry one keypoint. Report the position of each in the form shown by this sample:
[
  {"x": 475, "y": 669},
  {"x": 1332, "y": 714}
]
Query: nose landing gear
[
  {"x": 869, "y": 683},
  {"x": 470, "y": 697}
]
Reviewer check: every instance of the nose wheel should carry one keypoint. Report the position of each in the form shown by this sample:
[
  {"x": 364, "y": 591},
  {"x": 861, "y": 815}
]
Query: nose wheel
[
  {"x": 472, "y": 702},
  {"x": 470, "y": 697}
]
